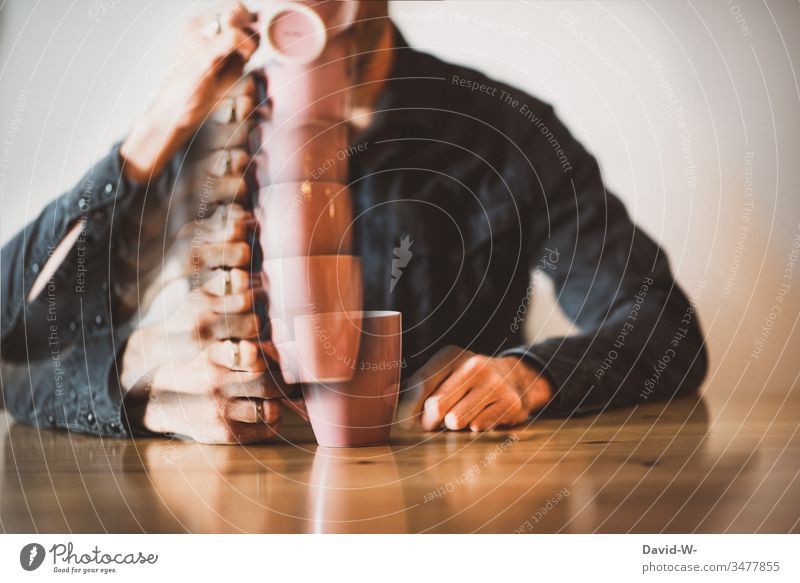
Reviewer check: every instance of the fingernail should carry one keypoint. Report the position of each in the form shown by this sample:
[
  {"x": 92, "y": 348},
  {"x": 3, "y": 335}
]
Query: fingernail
[
  {"x": 428, "y": 421},
  {"x": 451, "y": 421},
  {"x": 432, "y": 405}
]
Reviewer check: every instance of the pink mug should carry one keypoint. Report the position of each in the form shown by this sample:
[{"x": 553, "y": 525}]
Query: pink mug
[
  {"x": 318, "y": 348},
  {"x": 360, "y": 412},
  {"x": 319, "y": 90},
  {"x": 316, "y": 151},
  {"x": 305, "y": 218},
  {"x": 313, "y": 284}
]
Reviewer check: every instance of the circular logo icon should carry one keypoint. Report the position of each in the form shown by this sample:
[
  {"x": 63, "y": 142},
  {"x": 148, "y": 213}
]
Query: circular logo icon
[{"x": 31, "y": 556}]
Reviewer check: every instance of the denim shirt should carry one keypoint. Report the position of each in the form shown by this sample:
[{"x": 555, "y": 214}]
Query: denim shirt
[{"x": 461, "y": 186}]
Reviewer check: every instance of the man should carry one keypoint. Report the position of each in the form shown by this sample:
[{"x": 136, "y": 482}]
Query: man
[{"x": 468, "y": 181}]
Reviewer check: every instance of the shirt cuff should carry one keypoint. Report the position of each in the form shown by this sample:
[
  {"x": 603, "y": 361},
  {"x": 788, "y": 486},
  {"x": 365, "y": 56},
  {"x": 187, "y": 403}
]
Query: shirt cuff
[{"x": 572, "y": 394}]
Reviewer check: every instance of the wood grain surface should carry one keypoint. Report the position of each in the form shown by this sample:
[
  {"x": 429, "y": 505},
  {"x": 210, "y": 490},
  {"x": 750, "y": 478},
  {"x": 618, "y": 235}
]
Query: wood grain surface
[{"x": 678, "y": 467}]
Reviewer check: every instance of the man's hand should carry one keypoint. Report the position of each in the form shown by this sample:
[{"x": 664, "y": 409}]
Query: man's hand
[
  {"x": 200, "y": 370},
  {"x": 195, "y": 365},
  {"x": 211, "y": 58},
  {"x": 208, "y": 401},
  {"x": 461, "y": 389}
]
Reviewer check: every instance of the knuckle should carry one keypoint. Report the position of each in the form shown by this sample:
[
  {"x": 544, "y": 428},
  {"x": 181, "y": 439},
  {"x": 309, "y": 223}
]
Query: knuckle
[
  {"x": 244, "y": 302},
  {"x": 241, "y": 252},
  {"x": 217, "y": 391},
  {"x": 474, "y": 363},
  {"x": 273, "y": 411},
  {"x": 203, "y": 328},
  {"x": 240, "y": 278},
  {"x": 451, "y": 349},
  {"x": 496, "y": 382},
  {"x": 255, "y": 323}
]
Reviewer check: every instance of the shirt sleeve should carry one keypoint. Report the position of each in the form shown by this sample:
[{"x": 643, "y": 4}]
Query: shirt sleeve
[
  {"x": 58, "y": 352},
  {"x": 639, "y": 337}
]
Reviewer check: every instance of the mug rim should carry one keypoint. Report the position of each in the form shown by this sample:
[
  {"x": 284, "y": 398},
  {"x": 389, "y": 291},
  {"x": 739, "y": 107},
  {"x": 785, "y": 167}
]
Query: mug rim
[{"x": 356, "y": 313}]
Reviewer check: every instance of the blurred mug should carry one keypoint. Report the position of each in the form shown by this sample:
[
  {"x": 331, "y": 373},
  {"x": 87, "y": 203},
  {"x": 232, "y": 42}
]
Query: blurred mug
[
  {"x": 315, "y": 150},
  {"x": 305, "y": 218},
  {"x": 298, "y": 33},
  {"x": 320, "y": 91},
  {"x": 360, "y": 412},
  {"x": 307, "y": 294},
  {"x": 313, "y": 284},
  {"x": 318, "y": 348}
]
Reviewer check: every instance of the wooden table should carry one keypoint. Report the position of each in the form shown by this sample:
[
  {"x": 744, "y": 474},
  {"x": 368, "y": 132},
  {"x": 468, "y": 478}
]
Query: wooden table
[{"x": 681, "y": 467}]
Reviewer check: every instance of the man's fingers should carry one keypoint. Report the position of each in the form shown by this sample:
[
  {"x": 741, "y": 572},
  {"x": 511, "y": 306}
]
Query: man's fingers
[
  {"x": 219, "y": 229},
  {"x": 233, "y": 109},
  {"x": 219, "y": 136},
  {"x": 219, "y": 189},
  {"x": 459, "y": 415},
  {"x": 227, "y": 254},
  {"x": 253, "y": 410},
  {"x": 226, "y": 162},
  {"x": 423, "y": 382},
  {"x": 241, "y": 355},
  {"x": 490, "y": 417},
  {"x": 439, "y": 403},
  {"x": 264, "y": 385},
  {"x": 224, "y": 326},
  {"x": 252, "y": 432},
  {"x": 225, "y": 282},
  {"x": 462, "y": 380},
  {"x": 202, "y": 376},
  {"x": 238, "y": 230},
  {"x": 240, "y": 303},
  {"x": 233, "y": 40},
  {"x": 237, "y": 15}
]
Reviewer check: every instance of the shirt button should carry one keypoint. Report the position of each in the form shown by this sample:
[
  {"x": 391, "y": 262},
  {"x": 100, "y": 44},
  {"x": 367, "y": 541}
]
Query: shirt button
[
  {"x": 113, "y": 426},
  {"x": 83, "y": 204},
  {"x": 109, "y": 187},
  {"x": 90, "y": 417},
  {"x": 51, "y": 420},
  {"x": 104, "y": 285},
  {"x": 35, "y": 267},
  {"x": 98, "y": 320},
  {"x": 73, "y": 326}
]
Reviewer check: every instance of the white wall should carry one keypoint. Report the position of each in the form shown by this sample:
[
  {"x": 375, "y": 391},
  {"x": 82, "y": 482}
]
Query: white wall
[{"x": 623, "y": 75}]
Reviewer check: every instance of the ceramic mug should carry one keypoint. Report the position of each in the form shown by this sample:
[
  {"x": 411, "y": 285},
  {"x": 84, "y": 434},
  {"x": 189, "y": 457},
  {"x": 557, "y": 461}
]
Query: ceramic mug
[
  {"x": 360, "y": 412},
  {"x": 313, "y": 284},
  {"x": 314, "y": 150},
  {"x": 319, "y": 91},
  {"x": 305, "y": 218},
  {"x": 318, "y": 348},
  {"x": 300, "y": 289},
  {"x": 298, "y": 33}
]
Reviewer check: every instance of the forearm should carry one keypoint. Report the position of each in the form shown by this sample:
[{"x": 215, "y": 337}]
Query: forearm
[
  {"x": 56, "y": 307},
  {"x": 27, "y": 254},
  {"x": 648, "y": 348},
  {"x": 75, "y": 387},
  {"x": 640, "y": 338}
]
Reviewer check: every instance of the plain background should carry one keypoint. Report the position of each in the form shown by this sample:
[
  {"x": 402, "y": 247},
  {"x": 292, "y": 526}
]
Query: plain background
[{"x": 692, "y": 109}]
